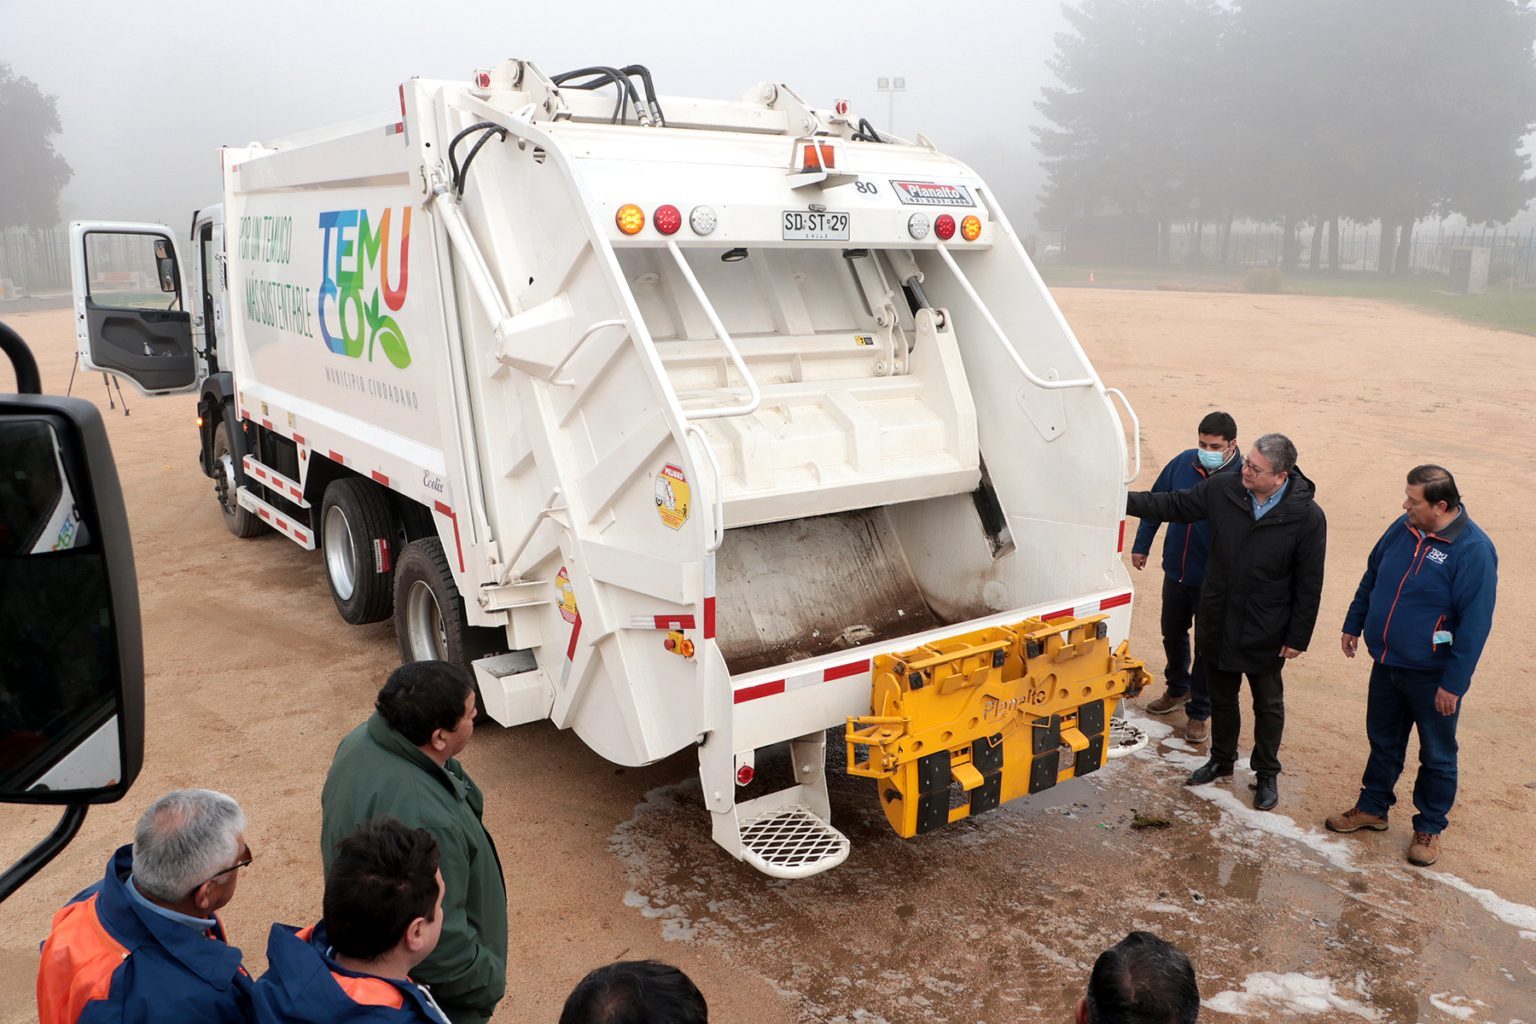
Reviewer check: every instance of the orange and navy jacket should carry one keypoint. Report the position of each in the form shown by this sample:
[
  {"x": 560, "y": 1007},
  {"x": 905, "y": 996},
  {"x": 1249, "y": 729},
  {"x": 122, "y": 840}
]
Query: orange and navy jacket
[
  {"x": 1187, "y": 545},
  {"x": 1426, "y": 599},
  {"x": 108, "y": 958},
  {"x": 303, "y": 985}
]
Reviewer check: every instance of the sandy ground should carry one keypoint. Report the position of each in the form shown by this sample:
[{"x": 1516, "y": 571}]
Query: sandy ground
[{"x": 252, "y": 679}]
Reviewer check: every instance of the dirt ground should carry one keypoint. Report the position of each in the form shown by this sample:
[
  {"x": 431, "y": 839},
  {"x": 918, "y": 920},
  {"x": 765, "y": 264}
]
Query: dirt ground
[{"x": 252, "y": 679}]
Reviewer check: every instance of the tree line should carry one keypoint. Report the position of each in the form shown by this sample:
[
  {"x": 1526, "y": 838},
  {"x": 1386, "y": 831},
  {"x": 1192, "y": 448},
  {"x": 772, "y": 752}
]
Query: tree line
[{"x": 1291, "y": 112}]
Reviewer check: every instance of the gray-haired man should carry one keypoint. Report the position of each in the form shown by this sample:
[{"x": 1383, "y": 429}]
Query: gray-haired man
[
  {"x": 145, "y": 943},
  {"x": 1263, "y": 583}
]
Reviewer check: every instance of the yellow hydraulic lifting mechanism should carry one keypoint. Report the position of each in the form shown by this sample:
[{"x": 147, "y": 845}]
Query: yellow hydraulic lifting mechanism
[{"x": 967, "y": 723}]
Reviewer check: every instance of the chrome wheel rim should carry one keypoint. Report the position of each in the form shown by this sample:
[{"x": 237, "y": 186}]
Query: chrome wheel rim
[
  {"x": 224, "y": 482},
  {"x": 424, "y": 624},
  {"x": 338, "y": 553}
]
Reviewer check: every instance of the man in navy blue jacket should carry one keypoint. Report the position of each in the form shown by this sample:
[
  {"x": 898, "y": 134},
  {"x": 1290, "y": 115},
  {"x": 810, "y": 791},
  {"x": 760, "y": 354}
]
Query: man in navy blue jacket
[
  {"x": 1184, "y": 553},
  {"x": 145, "y": 943},
  {"x": 383, "y": 914},
  {"x": 1425, "y": 607}
]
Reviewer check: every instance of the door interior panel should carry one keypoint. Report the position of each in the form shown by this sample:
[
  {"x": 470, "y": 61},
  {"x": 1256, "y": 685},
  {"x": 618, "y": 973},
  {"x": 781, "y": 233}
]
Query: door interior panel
[{"x": 154, "y": 347}]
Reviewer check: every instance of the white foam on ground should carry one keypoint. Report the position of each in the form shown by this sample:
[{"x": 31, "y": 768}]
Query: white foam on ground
[
  {"x": 1459, "y": 1007},
  {"x": 1336, "y": 851},
  {"x": 1516, "y": 914},
  {"x": 1291, "y": 993}
]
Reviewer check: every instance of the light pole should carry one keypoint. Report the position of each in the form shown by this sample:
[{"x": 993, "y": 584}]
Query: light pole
[{"x": 891, "y": 86}]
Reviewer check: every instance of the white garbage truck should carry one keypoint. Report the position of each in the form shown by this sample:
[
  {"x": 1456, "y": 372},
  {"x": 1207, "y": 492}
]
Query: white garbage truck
[{"x": 679, "y": 422}]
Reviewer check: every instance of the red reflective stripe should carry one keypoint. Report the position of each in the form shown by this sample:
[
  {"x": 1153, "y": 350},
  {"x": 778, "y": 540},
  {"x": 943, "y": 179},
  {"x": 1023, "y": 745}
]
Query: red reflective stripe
[
  {"x": 844, "y": 671},
  {"x": 266, "y": 423},
  {"x": 264, "y": 513},
  {"x": 370, "y": 991},
  {"x": 747, "y": 693},
  {"x": 570, "y": 648},
  {"x": 673, "y": 621},
  {"x": 300, "y": 536},
  {"x": 298, "y": 438},
  {"x": 380, "y": 478},
  {"x": 1114, "y": 602},
  {"x": 457, "y": 544},
  {"x": 1064, "y": 613},
  {"x": 1120, "y": 544},
  {"x": 337, "y": 456},
  {"x": 79, "y": 959},
  {"x": 709, "y": 617}
]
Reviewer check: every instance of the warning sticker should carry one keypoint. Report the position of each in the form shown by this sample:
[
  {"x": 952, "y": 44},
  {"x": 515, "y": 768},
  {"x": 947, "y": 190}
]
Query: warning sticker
[
  {"x": 565, "y": 597},
  {"x": 673, "y": 498},
  {"x": 863, "y": 339},
  {"x": 931, "y": 193}
]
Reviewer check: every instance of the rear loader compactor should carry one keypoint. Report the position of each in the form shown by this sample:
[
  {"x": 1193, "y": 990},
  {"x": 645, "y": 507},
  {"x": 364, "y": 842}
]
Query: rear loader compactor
[{"x": 680, "y": 422}]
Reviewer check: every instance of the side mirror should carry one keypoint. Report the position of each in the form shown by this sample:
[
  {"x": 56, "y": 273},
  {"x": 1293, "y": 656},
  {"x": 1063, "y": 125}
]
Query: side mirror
[
  {"x": 72, "y": 671},
  {"x": 165, "y": 265}
]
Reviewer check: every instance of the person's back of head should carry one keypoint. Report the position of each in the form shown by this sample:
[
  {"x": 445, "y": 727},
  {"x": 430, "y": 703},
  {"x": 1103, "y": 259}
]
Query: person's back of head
[
  {"x": 421, "y": 697},
  {"x": 383, "y": 894},
  {"x": 185, "y": 839},
  {"x": 1141, "y": 980},
  {"x": 635, "y": 992}
]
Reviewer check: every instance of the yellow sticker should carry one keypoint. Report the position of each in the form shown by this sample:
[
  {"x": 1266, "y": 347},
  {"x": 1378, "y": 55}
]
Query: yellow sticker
[
  {"x": 863, "y": 339},
  {"x": 565, "y": 597},
  {"x": 673, "y": 498}
]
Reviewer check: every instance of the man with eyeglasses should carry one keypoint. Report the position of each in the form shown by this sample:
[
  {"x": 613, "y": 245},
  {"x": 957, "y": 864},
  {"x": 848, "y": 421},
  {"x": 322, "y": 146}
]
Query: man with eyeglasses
[
  {"x": 1258, "y": 606},
  {"x": 145, "y": 943},
  {"x": 1184, "y": 554}
]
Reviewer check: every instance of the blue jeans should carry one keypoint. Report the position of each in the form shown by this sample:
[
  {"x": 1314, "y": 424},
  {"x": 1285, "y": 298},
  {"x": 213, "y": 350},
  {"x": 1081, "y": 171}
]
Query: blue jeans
[
  {"x": 1399, "y": 700},
  {"x": 1184, "y": 676}
]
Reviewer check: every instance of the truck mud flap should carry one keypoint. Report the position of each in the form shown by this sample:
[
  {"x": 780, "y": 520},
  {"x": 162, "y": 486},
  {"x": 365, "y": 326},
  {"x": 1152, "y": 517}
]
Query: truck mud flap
[{"x": 963, "y": 725}]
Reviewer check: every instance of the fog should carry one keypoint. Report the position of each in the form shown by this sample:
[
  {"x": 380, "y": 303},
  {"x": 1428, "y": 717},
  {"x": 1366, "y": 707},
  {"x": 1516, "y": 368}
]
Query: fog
[{"x": 148, "y": 91}]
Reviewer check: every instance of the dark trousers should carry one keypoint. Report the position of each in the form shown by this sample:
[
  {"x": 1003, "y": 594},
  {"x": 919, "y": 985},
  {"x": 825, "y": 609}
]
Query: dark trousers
[
  {"x": 1184, "y": 675},
  {"x": 1268, "y": 692},
  {"x": 1399, "y": 701}
]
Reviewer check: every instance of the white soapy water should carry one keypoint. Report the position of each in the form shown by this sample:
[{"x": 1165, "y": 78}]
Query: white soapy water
[
  {"x": 1292, "y": 993},
  {"x": 1459, "y": 1007}
]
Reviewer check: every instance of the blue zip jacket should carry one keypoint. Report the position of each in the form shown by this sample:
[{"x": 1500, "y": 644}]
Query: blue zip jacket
[
  {"x": 108, "y": 958},
  {"x": 303, "y": 985},
  {"x": 1419, "y": 584},
  {"x": 1187, "y": 545}
]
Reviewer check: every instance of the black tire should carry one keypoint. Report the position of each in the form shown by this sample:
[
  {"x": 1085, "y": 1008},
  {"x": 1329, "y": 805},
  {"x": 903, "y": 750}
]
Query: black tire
[
  {"x": 430, "y": 624},
  {"x": 358, "y": 535},
  {"x": 227, "y": 476}
]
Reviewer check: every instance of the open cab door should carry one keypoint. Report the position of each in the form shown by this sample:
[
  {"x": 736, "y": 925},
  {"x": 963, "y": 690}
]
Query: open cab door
[{"x": 130, "y": 319}]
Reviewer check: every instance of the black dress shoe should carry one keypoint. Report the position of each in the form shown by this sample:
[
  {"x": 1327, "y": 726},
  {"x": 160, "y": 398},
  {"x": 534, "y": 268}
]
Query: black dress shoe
[
  {"x": 1266, "y": 792},
  {"x": 1209, "y": 772}
]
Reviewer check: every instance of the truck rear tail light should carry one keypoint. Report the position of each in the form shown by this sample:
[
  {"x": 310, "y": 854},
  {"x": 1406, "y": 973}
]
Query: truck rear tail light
[
  {"x": 917, "y": 225},
  {"x": 745, "y": 774},
  {"x": 630, "y": 219},
  {"x": 667, "y": 219},
  {"x": 817, "y": 156},
  {"x": 702, "y": 220},
  {"x": 970, "y": 228},
  {"x": 944, "y": 226}
]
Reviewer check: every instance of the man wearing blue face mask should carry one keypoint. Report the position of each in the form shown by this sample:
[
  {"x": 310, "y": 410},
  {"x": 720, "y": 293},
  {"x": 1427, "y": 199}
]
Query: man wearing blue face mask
[{"x": 1184, "y": 553}]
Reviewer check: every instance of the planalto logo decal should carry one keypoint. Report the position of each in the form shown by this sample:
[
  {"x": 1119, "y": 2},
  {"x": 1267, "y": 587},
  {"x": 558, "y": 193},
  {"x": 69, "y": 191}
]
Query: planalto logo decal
[{"x": 361, "y": 265}]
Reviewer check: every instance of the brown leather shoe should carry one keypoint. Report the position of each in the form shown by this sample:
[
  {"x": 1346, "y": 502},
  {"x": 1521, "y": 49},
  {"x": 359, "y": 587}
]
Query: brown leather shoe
[
  {"x": 1198, "y": 730},
  {"x": 1166, "y": 703},
  {"x": 1424, "y": 850},
  {"x": 1354, "y": 819}
]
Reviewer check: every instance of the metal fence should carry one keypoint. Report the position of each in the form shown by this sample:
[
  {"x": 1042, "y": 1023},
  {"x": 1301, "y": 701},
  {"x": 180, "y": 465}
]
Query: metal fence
[
  {"x": 34, "y": 260},
  {"x": 1512, "y": 254}
]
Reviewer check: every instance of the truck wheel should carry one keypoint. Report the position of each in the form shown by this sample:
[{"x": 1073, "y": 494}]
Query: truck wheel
[
  {"x": 358, "y": 534},
  {"x": 429, "y": 613},
  {"x": 226, "y": 476}
]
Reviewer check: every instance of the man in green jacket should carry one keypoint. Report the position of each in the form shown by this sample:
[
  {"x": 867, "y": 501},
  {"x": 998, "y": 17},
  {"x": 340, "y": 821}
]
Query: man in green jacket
[{"x": 401, "y": 764}]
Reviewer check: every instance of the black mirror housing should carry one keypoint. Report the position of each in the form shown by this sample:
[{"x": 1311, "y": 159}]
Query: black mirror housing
[{"x": 72, "y": 678}]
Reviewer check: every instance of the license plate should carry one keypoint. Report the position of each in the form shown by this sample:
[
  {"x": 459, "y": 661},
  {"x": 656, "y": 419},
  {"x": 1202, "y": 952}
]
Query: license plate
[{"x": 815, "y": 226}]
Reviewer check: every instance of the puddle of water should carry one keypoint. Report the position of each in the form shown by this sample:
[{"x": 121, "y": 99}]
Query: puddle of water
[{"x": 1000, "y": 917}]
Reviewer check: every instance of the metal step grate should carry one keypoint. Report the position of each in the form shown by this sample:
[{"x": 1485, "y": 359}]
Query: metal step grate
[{"x": 792, "y": 843}]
